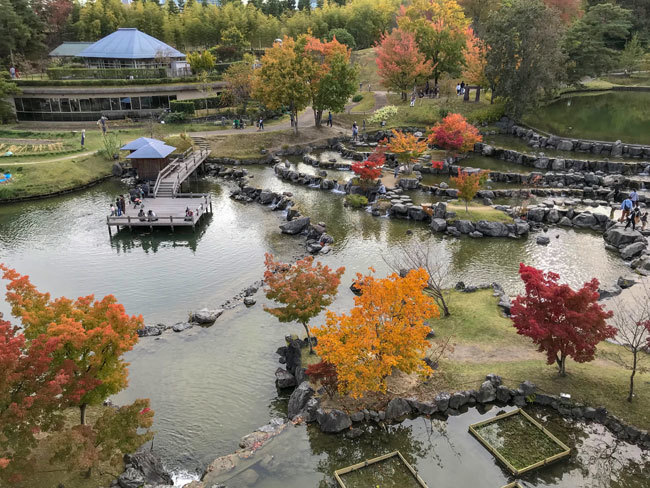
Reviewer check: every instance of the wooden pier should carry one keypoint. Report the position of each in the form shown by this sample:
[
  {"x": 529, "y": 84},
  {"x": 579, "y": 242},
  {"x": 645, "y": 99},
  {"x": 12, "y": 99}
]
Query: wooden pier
[
  {"x": 170, "y": 212},
  {"x": 169, "y": 206}
]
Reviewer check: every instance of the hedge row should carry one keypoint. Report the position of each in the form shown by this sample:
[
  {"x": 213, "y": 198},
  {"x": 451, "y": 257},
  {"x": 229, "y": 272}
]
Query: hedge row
[
  {"x": 153, "y": 81},
  {"x": 182, "y": 106},
  {"x": 105, "y": 73}
]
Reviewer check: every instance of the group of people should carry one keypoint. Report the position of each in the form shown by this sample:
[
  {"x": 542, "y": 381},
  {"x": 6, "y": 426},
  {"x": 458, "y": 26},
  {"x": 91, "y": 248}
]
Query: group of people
[
  {"x": 632, "y": 213},
  {"x": 150, "y": 216},
  {"x": 460, "y": 88},
  {"x": 238, "y": 124},
  {"x": 136, "y": 197},
  {"x": 14, "y": 73},
  {"x": 119, "y": 207}
]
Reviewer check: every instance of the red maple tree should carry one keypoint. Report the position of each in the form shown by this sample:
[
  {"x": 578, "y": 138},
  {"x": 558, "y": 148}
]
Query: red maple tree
[
  {"x": 325, "y": 374},
  {"x": 370, "y": 169},
  {"x": 562, "y": 322}
]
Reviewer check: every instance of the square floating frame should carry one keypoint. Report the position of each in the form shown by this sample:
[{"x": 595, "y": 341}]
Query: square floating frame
[
  {"x": 417, "y": 481},
  {"x": 525, "y": 432},
  {"x": 513, "y": 485}
]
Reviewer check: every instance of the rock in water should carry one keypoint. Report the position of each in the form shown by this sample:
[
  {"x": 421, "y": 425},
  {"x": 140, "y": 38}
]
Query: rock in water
[
  {"x": 299, "y": 399},
  {"x": 333, "y": 421},
  {"x": 150, "y": 466},
  {"x": 181, "y": 326},
  {"x": 295, "y": 226},
  {"x": 543, "y": 240},
  {"x": 284, "y": 379},
  {"x": 131, "y": 478},
  {"x": 205, "y": 316}
]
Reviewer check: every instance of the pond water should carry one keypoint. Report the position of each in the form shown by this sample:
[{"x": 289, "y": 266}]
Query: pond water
[
  {"x": 211, "y": 386},
  {"x": 604, "y": 116}
]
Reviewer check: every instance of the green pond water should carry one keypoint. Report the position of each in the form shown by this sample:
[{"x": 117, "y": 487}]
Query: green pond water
[
  {"x": 604, "y": 116},
  {"x": 211, "y": 386}
]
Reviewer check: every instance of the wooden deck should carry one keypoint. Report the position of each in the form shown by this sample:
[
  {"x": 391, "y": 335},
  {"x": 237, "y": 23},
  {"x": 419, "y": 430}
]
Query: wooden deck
[{"x": 170, "y": 212}]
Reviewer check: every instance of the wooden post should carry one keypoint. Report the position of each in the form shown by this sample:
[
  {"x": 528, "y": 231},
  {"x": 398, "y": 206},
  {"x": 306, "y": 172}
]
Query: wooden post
[
  {"x": 171, "y": 222},
  {"x": 129, "y": 220}
]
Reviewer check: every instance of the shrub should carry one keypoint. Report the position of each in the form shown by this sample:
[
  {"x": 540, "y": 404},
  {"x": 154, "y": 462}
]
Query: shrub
[
  {"x": 487, "y": 114},
  {"x": 384, "y": 113},
  {"x": 175, "y": 117},
  {"x": 325, "y": 374},
  {"x": 356, "y": 201},
  {"x": 443, "y": 112},
  {"x": 357, "y": 98},
  {"x": 183, "y": 106}
]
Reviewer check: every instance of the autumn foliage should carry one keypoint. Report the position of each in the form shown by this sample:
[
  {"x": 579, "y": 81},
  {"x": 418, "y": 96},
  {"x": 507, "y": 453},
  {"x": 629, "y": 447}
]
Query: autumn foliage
[
  {"x": 325, "y": 375},
  {"x": 304, "y": 288},
  {"x": 468, "y": 185},
  {"x": 455, "y": 134},
  {"x": 68, "y": 354},
  {"x": 475, "y": 60},
  {"x": 562, "y": 322},
  {"x": 400, "y": 64},
  {"x": 370, "y": 169},
  {"x": 385, "y": 329},
  {"x": 406, "y": 147}
]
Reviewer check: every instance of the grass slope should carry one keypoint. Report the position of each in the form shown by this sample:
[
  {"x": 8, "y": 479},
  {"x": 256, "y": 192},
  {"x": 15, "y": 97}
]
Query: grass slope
[{"x": 477, "y": 212}]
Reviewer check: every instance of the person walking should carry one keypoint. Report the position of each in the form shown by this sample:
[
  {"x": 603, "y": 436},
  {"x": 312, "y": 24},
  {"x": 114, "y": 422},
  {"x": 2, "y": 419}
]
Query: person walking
[
  {"x": 626, "y": 207},
  {"x": 462, "y": 87},
  {"x": 102, "y": 123},
  {"x": 12, "y": 72},
  {"x": 123, "y": 204},
  {"x": 329, "y": 119},
  {"x": 260, "y": 124},
  {"x": 644, "y": 220},
  {"x": 360, "y": 86},
  {"x": 458, "y": 89},
  {"x": 413, "y": 100},
  {"x": 291, "y": 118},
  {"x": 83, "y": 138},
  {"x": 396, "y": 172},
  {"x": 631, "y": 220},
  {"x": 634, "y": 196},
  {"x": 355, "y": 131}
]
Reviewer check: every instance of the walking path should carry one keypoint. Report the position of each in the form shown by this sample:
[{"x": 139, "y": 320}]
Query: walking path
[
  {"x": 305, "y": 119},
  {"x": 55, "y": 160}
]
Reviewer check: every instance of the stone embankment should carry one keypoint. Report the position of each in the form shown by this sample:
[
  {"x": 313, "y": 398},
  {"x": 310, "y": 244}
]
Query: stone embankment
[
  {"x": 143, "y": 470},
  {"x": 535, "y": 140}
]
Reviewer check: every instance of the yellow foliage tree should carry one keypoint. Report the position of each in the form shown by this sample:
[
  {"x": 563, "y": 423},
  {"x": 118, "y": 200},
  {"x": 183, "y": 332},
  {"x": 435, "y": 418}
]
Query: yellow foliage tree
[
  {"x": 406, "y": 147},
  {"x": 385, "y": 329}
]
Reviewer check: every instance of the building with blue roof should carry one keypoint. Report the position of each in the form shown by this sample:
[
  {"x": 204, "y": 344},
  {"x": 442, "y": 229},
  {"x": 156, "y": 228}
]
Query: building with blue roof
[
  {"x": 130, "y": 48},
  {"x": 150, "y": 157},
  {"x": 138, "y": 143}
]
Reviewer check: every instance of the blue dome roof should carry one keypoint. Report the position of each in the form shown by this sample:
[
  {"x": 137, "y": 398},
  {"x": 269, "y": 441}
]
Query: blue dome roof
[{"x": 129, "y": 43}]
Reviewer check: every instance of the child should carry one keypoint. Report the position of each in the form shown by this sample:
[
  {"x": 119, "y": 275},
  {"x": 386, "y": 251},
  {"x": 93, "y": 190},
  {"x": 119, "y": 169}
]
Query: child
[{"x": 644, "y": 220}]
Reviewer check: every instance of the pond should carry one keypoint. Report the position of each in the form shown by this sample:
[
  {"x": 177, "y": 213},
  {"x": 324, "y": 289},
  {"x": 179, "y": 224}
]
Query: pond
[
  {"x": 211, "y": 386},
  {"x": 603, "y": 116}
]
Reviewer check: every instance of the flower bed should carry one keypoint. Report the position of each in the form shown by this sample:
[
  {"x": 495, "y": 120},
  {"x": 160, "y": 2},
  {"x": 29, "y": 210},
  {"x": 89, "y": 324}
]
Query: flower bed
[
  {"x": 519, "y": 442},
  {"x": 388, "y": 471}
]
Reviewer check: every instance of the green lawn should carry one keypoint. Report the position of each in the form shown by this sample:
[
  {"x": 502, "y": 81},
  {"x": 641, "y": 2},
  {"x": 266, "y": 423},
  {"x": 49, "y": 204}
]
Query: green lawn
[
  {"x": 365, "y": 105},
  {"x": 41, "y": 179},
  {"x": 365, "y": 60},
  {"x": 477, "y": 212},
  {"x": 476, "y": 325}
]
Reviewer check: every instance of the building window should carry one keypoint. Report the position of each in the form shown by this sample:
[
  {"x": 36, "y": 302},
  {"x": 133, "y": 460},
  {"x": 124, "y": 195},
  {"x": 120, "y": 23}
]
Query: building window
[
  {"x": 65, "y": 105},
  {"x": 84, "y": 104},
  {"x": 145, "y": 103},
  {"x": 135, "y": 103},
  {"x": 74, "y": 105}
]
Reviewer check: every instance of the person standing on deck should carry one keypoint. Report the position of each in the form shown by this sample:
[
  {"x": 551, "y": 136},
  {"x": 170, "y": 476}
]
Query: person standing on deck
[{"x": 118, "y": 207}]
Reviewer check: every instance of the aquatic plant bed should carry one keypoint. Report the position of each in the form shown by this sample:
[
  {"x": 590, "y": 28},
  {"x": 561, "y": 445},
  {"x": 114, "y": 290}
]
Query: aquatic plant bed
[
  {"x": 519, "y": 441},
  {"x": 513, "y": 485},
  {"x": 388, "y": 471}
]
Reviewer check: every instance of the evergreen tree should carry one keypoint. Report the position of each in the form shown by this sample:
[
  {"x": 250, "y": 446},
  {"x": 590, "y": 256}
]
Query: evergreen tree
[{"x": 304, "y": 5}]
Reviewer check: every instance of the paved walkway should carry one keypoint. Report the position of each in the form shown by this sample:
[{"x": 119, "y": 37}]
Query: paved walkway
[
  {"x": 55, "y": 160},
  {"x": 305, "y": 119}
]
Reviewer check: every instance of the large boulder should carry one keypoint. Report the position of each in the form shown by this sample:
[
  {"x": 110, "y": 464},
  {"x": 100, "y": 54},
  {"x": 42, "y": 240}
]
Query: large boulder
[
  {"x": 642, "y": 265},
  {"x": 299, "y": 399},
  {"x": 149, "y": 331},
  {"x": 440, "y": 211},
  {"x": 464, "y": 226},
  {"x": 438, "y": 225},
  {"x": 205, "y": 316},
  {"x": 397, "y": 408},
  {"x": 632, "y": 250},
  {"x": 553, "y": 216},
  {"x": 585, "y": 220},
  {"x": 608, "y": 292},
  {"x": 619, "y": 237},
  {"x": 536, "y": 214},
  {"x": 131, "y": 478},
  {"x": 442, "y": 401},
  {"x": 543, "y": 240},
  {"x": 284, "y": 379},
  {"x": 333, "y": 421},
  {"x": 266, "y": 197},
  {"x": 492, "y": 229},
  {"x": 487, "y": 393},
  {"x": 295, "y": 226},
  {"x": 150, "y": 466}
]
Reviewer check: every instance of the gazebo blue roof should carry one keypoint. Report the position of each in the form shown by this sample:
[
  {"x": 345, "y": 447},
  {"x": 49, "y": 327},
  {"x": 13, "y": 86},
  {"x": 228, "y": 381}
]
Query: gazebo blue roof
[
  {"x": 152, "y": 151},
  {"x": 138, "y": 143},
  {"x": 129, "y": 43}
]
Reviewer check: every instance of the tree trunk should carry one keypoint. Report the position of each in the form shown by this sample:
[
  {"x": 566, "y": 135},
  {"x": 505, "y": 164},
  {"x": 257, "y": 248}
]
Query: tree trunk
[
  {"x": 631, "y": 394},
  {"x": 445, "y": 307},
  {"x": 311, "y": 349},
  {"x": 466, "y": 209},
  {"x": 82, "y": 412},
  {"x": 404, "y": 96},
  {"x": 318, "y": 117},
  {"x": 295, "y": 122},
  {"x": 561, "y": 363}
]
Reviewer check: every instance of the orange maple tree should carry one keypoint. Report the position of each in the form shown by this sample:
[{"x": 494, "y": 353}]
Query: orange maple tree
[
  {"x": 475, "y": 60},
  {"x": 455, "y": 134},
  {"x": 406, "y": 147},
  {"x": 468, "y": 185},
  {"x": 304, "y": 288},
  {"x": 400, "y": 64},
  {"x": 93, "y": 335},
  {"x": 385, "y": 329}
]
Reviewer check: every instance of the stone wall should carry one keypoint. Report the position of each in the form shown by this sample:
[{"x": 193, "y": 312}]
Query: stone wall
[{"x": 535, "y": 140}]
